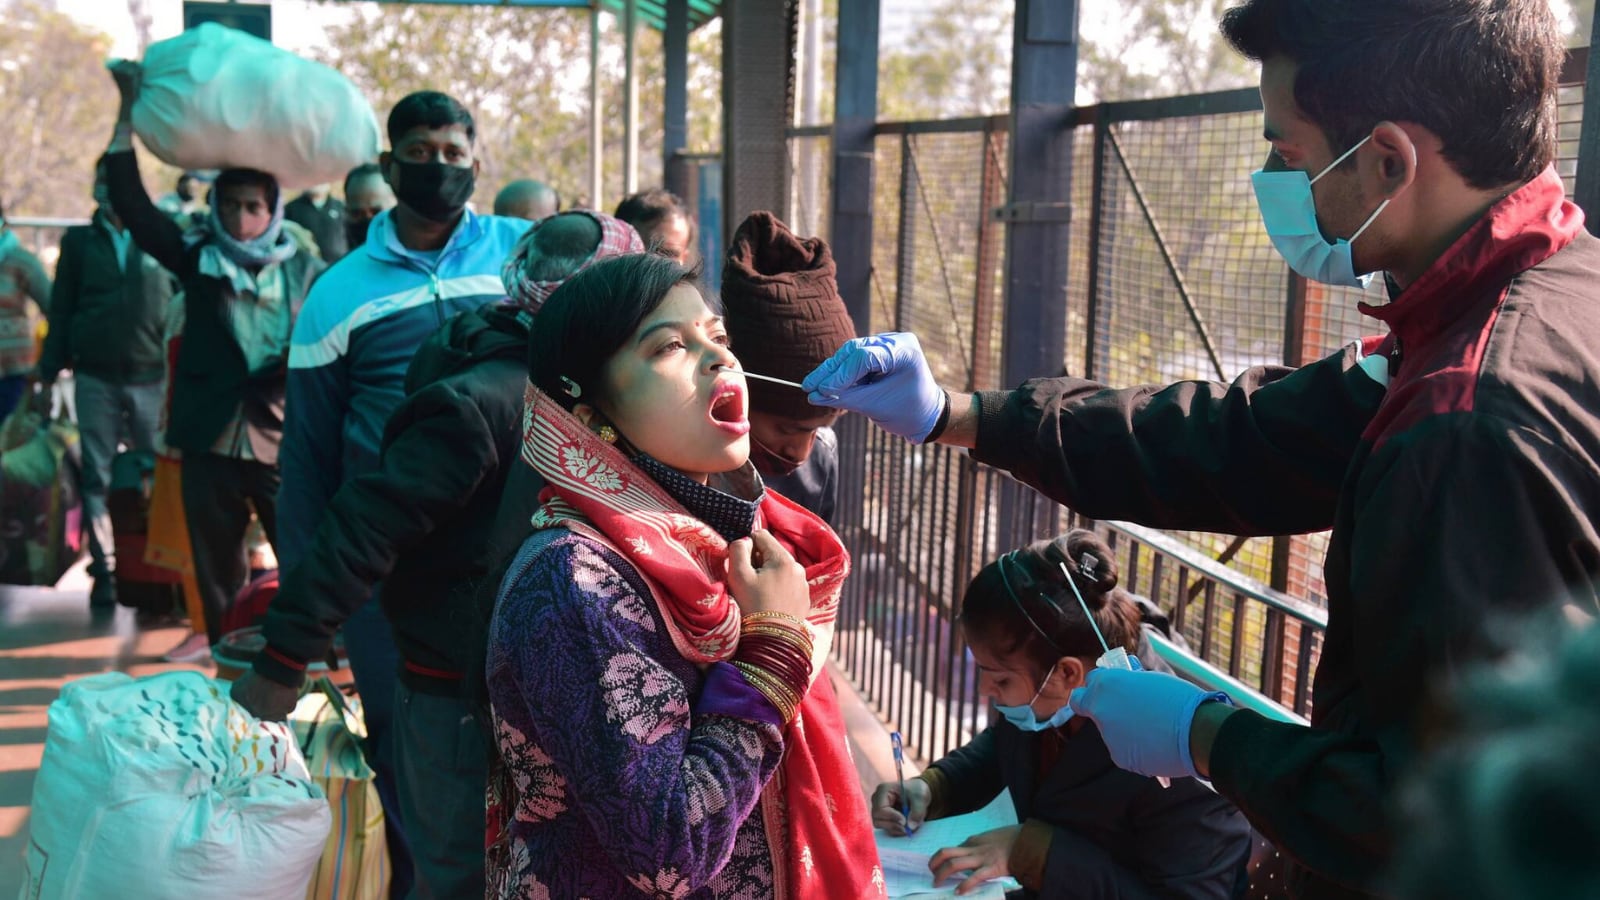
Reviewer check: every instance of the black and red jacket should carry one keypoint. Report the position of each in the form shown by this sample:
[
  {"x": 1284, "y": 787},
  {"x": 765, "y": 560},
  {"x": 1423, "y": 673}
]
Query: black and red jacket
[{"x": 1457, "y": 461}]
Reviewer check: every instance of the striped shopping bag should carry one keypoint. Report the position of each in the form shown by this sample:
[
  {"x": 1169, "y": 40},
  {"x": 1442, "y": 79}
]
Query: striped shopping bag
[{"x": 355, "y": 861}]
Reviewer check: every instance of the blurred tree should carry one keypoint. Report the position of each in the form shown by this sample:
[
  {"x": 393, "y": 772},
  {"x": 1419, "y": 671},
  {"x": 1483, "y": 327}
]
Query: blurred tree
[
  {"x": 1580, "y": 22},
  {"x": 58, "y": 105},
  {"x": 957, "y": 63},
  {"x": 1166, "y": 47},
  {"x": 524, "y": 75}
]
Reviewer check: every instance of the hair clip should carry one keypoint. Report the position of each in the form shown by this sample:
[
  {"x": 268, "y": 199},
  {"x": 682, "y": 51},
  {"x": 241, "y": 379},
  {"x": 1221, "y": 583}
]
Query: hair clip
[
  {"x": 1086, "y": 565},
  {"x": 571, "y": 387}
]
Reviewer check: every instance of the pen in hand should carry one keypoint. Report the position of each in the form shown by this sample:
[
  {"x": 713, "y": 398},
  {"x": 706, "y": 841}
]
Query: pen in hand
[{"x": 900, "y": 773}]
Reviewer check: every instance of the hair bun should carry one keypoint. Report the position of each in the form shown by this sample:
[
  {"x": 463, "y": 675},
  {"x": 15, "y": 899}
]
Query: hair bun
[{"x": 1088, "y": 558}]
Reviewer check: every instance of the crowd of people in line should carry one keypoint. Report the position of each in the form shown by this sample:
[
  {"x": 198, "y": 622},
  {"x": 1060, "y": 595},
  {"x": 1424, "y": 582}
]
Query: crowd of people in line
[{"x": 585, "y": 574}]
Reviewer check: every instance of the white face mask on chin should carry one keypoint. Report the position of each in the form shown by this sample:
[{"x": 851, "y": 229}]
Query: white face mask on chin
[{"x": 1289, "y": 212}]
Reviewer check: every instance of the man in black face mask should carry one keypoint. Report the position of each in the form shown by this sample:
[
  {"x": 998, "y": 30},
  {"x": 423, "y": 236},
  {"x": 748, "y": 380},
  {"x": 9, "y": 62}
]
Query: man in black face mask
[
  {"x": 783, "y": 311},
  {"x": 423, "y": 262},
  {"x": 366, "y": 194}
]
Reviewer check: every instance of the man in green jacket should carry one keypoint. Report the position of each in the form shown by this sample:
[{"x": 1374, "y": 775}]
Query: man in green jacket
[{"x": 106, "y": 317}]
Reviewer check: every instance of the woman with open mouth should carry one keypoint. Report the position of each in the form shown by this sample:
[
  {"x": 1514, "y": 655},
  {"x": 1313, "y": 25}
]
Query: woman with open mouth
[{"x": 655, "y": 655}]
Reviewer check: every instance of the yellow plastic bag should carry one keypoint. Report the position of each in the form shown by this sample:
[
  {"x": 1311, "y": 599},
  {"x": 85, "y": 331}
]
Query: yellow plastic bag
[{"x": 355, "y": 861}]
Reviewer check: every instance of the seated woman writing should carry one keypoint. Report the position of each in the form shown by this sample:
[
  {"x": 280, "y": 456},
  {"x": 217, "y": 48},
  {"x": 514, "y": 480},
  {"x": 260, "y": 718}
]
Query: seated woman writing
[
  {"x": 1088, "y": 829},
  {"x": 655, "y": 652}
]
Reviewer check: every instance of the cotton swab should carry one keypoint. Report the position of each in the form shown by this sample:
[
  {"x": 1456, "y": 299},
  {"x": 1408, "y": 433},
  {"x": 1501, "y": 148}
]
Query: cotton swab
[
  {"x": 1111, "y": 659},
  {"x": 748, "y": 374}
]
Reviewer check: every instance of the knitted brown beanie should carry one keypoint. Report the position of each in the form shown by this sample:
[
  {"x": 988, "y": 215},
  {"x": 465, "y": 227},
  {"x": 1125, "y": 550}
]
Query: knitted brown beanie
[{"x": 781, "y": 302}]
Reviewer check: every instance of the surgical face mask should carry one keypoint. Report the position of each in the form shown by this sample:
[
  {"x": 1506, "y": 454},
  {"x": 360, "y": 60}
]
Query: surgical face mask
[
  {"x": 434, "y": 190},
  {"x": 1023, "y": 716},
  {"x": 1290, "y": 214}
]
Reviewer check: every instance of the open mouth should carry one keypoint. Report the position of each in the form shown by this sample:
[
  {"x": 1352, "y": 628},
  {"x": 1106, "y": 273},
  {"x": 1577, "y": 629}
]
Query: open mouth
[{"x": 727, "y": 409}]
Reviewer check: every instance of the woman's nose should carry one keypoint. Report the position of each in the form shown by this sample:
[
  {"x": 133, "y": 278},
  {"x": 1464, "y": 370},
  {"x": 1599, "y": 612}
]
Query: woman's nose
[{"x": 722, "y": 358}]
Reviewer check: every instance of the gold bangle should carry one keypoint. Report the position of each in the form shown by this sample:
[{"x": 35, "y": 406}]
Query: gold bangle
[
  {"x": 759, "y": 616},
  {"x": 776, "y": 692},
  {"x": 787, "y": 635}
]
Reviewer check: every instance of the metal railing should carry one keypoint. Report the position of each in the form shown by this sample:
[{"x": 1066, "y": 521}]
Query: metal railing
[
  {"x": 42, "y": 236},
  {"x": 1171, "y": 277}
]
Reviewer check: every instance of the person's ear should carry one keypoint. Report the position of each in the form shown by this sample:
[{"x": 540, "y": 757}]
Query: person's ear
[
  {"x": 1071, "y": 672},
  {"x": 384, "y": 159},
  {"x": 588, "y": 415},
  {"x": 1393, "y": 167}
]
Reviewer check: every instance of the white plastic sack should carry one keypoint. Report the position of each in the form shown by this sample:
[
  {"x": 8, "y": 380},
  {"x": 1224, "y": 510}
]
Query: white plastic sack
[
  {"x": 162, "y": 788},
  {"x": 216, "y": 98}
]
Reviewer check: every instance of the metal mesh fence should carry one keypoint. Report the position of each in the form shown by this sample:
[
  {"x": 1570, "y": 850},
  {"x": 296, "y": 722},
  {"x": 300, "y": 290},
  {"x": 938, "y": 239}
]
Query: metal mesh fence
[
  {"x": 1189, "y": 286},
  {"x": 936, "y": 253}
]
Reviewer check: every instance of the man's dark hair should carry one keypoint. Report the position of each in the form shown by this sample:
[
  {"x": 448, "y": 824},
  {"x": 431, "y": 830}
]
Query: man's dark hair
[
  {"x": 245, "y": 178},
  {"x": 428, "y": 109},
  {"x": 562, "y": 243},
  {"x": 365, "y": 170},
  {"x": 648, "y": 209},
  {"x": 1480, "y": 74}
]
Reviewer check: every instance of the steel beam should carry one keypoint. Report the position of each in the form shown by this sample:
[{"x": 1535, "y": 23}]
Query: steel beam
[
  {"x": 855, "y": 115},
  {"x": 1044, "y": 67},
  {"x": 675, "y": 108},
  {"x": 597, "y": 138},
  {"x": 630, "y": 97}
]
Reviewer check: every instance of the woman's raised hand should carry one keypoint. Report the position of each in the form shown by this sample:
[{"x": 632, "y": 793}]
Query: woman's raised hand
[{"x": 764, "y": 577}]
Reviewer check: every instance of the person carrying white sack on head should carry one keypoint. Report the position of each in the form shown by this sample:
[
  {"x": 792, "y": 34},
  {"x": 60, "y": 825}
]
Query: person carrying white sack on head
[{"x": 244, "y": 281}]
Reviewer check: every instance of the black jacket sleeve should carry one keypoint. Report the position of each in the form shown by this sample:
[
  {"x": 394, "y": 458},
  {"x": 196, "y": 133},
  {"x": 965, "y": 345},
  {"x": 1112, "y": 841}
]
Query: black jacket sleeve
[
  {"x": 1263, "y": 455},
  {"x": 972, "y": 776},
  {"x": 439, "y": 449},
  {"x": 1079, "y": 869},
  {"x": 1469, "y": 525},
  {"x": 155, "y": 233},
  {"x": 57, "y": 352}
]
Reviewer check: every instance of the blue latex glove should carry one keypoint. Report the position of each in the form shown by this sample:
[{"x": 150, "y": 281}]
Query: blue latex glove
[
  {"x": 1144, "y": 718},
  {"x": 886, "y": 379}
]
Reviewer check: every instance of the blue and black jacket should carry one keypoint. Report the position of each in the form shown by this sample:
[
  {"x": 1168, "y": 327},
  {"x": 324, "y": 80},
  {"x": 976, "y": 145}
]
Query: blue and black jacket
[{"x": 356, "y": 335}]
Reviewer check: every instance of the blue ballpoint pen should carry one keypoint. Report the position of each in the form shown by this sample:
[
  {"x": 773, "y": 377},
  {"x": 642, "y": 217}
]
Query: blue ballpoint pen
[{"x": 900, "y": 772}]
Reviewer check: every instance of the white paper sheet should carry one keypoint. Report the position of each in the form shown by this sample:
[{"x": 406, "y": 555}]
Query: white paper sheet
[{"x": 905, "y": 859}]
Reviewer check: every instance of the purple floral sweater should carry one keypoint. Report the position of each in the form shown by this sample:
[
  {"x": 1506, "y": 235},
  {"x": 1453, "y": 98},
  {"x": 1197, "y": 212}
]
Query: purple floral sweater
[{"x": 633, "y": 772}]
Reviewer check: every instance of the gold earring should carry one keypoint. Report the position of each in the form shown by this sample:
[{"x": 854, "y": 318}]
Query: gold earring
[{"x": 607, "y": 434}]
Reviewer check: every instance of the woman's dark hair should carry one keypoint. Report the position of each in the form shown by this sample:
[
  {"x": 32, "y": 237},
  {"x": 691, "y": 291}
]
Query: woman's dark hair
[
  {"x": 229, "y": 178},
  {"x": 1021, "y": 602},
  {"x": 590, "y": 317},
  {"x": 647, "y": 210},
  {"x": 1480, "y": 74},
  {"x": 428, "y": 109}
]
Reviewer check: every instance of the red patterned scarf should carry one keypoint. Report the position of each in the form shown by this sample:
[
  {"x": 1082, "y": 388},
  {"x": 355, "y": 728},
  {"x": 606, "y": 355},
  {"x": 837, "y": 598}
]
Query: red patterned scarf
[{"x": 818, "y": 827}]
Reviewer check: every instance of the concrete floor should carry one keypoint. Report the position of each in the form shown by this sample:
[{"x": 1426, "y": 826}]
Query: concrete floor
[{"x": 47, "y": 638}]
